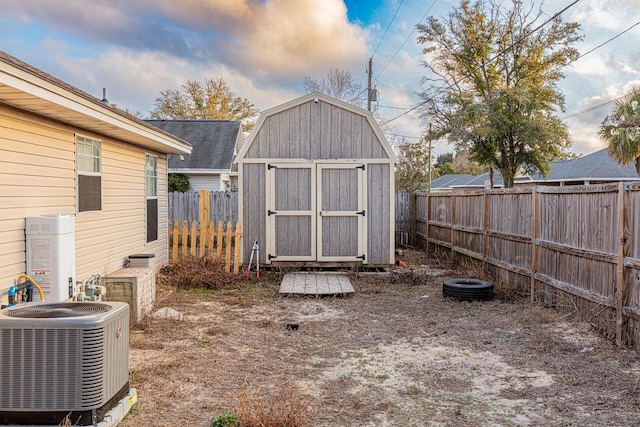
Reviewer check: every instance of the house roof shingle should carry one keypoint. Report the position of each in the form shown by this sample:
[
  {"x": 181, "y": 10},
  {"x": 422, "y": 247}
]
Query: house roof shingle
[
  {"x": 213, "y": 142},
  {"x": 597, "y": 166}
]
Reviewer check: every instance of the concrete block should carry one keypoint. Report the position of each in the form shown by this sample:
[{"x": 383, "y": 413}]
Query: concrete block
[{"x": 136, "y": 287}]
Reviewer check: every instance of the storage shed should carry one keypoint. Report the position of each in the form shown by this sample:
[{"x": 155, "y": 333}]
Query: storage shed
[{"x": 316, "y": 185}]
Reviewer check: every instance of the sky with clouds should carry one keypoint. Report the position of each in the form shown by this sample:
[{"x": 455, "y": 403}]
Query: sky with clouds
[{"x": 264, "y": 48}]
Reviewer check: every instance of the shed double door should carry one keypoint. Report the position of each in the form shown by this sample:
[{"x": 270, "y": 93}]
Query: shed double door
[{"x": 316, "y": 212}]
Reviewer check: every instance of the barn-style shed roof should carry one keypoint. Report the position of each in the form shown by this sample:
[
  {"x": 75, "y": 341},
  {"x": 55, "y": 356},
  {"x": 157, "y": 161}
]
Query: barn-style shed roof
[{"x": 316, "y": 98}]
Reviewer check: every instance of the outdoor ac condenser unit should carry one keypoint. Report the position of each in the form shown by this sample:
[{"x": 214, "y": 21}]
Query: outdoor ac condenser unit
[{"x": 59, "y": 359}]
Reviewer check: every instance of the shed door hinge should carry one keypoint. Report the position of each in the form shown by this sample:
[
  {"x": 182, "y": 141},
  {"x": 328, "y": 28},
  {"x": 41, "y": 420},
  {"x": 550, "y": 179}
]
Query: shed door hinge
[
  {"x": 361, "y": 257},
  {"x": 270, "y": 212},
  {"x": 270, "y": 166},
  {"x": 360, "y": 167},
  {"x": 360, "y": 212},
  {"x": 272, "y": 257}
]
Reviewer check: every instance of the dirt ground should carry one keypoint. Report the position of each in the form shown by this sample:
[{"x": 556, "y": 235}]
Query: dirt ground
[{"x": 395, "y": 353}]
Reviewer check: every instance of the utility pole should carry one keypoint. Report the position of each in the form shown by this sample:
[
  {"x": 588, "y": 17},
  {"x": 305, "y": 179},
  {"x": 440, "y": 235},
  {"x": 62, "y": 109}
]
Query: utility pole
[
  {"x": 429, "y": 183},
  {"x": 369, "y": 71}
]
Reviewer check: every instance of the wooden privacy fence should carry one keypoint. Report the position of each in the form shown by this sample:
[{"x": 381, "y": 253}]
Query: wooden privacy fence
[
  {"x": 405, "y": 218},
  {"x": 572, "y": 247},
  {"x": 191, "y": 241},
  {"x": 204, "y": 204}
]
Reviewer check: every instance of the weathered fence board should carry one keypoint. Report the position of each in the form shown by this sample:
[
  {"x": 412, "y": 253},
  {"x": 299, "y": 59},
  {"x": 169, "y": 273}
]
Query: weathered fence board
[
  {"x": 574, "y": 247},
  {"x": 192, "y": 205},
  {"x": 405, "y": 218},
  {"x": 188, "y": 241}
]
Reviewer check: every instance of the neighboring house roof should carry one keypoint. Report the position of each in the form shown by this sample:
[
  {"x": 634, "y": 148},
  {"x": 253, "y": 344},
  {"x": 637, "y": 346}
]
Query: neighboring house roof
[
  {"x": 214, "y": 143},
  {"x": 451, "y": 179},
  {"x": 597, "y": 166},
  {"x": 28, "y": 88}
]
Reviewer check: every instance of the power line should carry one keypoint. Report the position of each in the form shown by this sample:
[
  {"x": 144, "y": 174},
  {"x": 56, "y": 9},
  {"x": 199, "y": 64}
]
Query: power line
[
  {"x": 502, "y": 52},
  {"x": 395, "y": 108},
  {"x": 381, "y": 39},
  {"x": 405, "y": 40},
  {"x": 595, "y": 107},
  {"x": 611, "y": 39},
  {"x": 388, "y": 26}
]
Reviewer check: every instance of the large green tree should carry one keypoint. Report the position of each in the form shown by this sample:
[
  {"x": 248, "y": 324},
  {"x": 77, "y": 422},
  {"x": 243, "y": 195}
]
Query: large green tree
[
  {"x": 211, "y": 99},
  {"x": 492, "y": 86},
  {"x": 621, "y": 130}
]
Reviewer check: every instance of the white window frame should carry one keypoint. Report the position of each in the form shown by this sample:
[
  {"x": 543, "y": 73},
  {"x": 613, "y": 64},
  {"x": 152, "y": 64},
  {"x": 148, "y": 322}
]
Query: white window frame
[
  {"x": 83, "y": 159},
  {"x": 150, "y": 195}
]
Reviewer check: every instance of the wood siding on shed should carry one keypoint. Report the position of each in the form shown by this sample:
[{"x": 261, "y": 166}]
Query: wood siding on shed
[
  {"x": 38, "y": 177},
  {"x": 379, "y": 209},
  {"x": 319, "y": 131},
  {"x": 254, "y": 208}
]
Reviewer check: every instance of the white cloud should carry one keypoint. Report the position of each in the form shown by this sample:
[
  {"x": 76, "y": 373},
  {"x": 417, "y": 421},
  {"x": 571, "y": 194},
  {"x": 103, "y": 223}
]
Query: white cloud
[{"x": 278, "y": 38}]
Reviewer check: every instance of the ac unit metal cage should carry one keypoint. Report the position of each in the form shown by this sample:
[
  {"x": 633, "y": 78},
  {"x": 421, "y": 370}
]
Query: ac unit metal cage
[{"x": 63, "y": 359}]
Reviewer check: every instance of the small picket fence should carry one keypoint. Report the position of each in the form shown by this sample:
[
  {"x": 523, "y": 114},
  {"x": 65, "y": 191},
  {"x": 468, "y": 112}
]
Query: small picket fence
[{"x": 220, "y": 243}]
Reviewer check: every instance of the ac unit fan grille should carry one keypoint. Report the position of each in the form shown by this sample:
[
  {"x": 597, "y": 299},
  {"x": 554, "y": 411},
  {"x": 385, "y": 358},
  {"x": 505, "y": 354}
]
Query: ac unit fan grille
[
  {"x": 58, "y": 310},
  {"x": 45, "y": 376}
]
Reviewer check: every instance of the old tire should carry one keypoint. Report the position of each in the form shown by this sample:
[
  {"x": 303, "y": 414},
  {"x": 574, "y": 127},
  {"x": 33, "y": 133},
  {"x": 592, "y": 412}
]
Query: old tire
[{"x": 467, "y": 289}]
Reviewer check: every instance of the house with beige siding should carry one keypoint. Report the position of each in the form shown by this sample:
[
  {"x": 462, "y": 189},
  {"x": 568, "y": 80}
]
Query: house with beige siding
[{"x": 66, "y": 154}]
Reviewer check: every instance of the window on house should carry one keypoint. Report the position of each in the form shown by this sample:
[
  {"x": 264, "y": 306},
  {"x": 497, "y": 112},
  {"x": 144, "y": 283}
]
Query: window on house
[
  {"x": 151, "y": 196},
  {"x": 89, "y": 170}
]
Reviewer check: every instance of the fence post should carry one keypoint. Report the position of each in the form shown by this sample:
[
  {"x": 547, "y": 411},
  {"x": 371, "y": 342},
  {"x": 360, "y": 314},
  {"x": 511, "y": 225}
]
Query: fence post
[
  {"x": 210, "y": 234},
  {"x": 227, "y": 251},
  {"x": 624, "y": 213},
  {"x": 176, "y": 240},
  {"x": 485, "y": 228},
  {"x": 238, "y": 245},
  {"x": 205, "y": 208},
  {"x": 453, "y": 223},
  {"x": 185, "y": 240},
  {"x": 194, "y": 238},
  {"x": 427, "y": 218},
  {"x": 535, "y": 234},
  {"x": 219, "y": 242},
  {"x": 413, "y": 220},
  {"x": 203, "y": 238}
]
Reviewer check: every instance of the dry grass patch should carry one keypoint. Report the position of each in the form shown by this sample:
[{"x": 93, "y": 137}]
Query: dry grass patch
[{"x": 392, "y": 354}]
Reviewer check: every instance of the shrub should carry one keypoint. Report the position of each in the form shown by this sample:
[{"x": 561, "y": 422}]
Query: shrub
[{"x": 178, "y": 183}]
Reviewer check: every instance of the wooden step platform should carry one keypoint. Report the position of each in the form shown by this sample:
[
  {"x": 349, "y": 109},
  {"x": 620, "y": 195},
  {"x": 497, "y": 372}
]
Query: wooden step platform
[{"x": 320, "y": 284}]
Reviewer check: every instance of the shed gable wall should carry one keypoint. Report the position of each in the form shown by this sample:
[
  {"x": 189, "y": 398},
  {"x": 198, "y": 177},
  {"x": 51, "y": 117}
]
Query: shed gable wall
[{"x": 316, "y": 131}]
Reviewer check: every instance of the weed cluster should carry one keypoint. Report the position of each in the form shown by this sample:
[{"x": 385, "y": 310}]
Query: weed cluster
[
  {"x": 287, "y": 406},
  {"x": 224, "y": 420}
]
